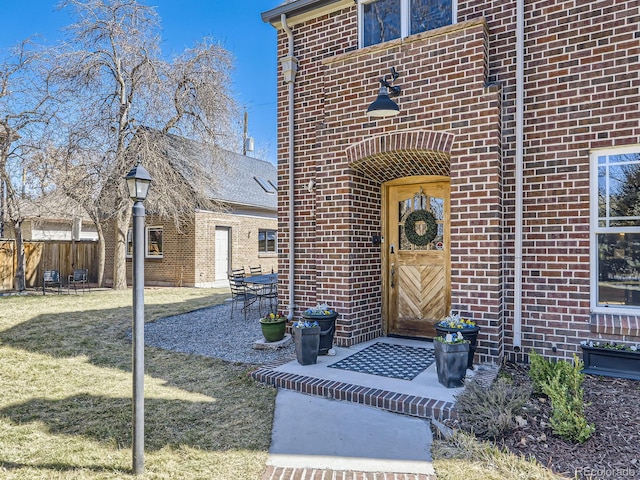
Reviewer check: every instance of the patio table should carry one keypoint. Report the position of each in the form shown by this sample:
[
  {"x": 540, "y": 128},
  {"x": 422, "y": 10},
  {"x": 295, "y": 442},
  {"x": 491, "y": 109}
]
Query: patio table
[
  {"x": 266, "y": 279},
  {"x": 264, "y": 286}
]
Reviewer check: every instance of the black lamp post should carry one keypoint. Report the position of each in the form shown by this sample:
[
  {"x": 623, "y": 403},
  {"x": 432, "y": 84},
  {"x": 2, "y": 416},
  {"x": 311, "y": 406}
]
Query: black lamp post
[{"x": 138, "y": 180}]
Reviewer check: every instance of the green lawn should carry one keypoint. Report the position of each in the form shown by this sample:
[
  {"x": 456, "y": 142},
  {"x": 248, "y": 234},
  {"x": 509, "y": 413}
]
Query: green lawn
[{"x": 66, "y": 384}]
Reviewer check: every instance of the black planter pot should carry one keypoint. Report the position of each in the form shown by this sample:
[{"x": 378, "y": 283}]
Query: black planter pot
[
  {"x": 470, "y": 334},
  {"x": 306, "y": 341},
  {"x": 609, "y": 362},
  {"x": 451, "y": 363},
  {"x": 327, "y": 330}
]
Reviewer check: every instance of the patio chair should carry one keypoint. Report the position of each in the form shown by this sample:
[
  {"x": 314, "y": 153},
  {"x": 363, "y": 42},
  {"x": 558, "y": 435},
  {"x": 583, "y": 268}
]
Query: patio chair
[
  {"x": 79, "y": 277},
  {"x": 255, "y": 270},
  {"x": 241, "y": 293},
  {"x": 259, "y": 290},
  {"x": 270, "y": 294},
  {"x": 238, "y": 272},
  {"x": 51, "y": 278}
]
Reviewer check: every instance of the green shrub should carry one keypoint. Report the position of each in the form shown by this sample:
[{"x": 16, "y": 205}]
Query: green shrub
[
  {"x": 562, "y": 383},
  {"x": 489, "y": 412},
  {"x": 541, "y": 371}
]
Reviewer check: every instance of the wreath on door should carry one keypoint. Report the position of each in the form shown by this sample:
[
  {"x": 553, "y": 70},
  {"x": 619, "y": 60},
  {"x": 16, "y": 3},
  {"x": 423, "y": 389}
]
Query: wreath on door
[{"x": 410, "y": 227}]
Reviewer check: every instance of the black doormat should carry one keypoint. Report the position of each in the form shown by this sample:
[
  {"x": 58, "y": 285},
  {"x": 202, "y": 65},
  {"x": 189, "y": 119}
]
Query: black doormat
[{"x": 385, "y": 360}]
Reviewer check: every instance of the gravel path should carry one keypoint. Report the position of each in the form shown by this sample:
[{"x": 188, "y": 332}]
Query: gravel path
[{"x": 212, "y": 332}]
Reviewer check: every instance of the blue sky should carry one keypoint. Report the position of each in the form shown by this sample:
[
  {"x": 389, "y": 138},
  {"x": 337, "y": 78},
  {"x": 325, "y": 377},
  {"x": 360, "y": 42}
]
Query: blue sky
[{"x": 236, "y": 24}]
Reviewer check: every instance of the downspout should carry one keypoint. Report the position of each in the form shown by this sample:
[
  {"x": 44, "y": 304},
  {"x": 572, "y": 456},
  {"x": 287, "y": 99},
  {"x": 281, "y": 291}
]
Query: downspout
[
  {"x": 289, "y": 69},
  {"x": 517, "y": 294}
]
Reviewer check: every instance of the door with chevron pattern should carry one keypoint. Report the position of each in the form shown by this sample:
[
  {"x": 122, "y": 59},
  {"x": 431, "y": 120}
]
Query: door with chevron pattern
[{"x": 417, "y": 256}]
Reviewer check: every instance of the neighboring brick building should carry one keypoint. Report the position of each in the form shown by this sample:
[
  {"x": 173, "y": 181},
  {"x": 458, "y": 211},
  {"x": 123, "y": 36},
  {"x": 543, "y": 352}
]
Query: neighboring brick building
[
  {"x": 209, "y": 243},
  {"x": 518, "y": 134}
]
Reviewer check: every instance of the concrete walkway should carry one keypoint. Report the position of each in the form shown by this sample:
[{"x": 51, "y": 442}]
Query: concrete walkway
[{"x": 318, "y": 438}]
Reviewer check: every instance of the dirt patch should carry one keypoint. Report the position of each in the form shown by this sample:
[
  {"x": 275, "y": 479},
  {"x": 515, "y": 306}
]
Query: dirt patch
[{"x": 613, "y": 452}]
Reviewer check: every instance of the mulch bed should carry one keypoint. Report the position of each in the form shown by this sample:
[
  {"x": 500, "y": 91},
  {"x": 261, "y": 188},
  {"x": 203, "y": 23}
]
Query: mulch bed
[{"x": 613, "y": 452}]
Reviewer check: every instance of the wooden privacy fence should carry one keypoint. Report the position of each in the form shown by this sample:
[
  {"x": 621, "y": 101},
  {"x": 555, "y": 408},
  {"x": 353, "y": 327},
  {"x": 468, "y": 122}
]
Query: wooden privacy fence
[{"x": 64, "y": 256}]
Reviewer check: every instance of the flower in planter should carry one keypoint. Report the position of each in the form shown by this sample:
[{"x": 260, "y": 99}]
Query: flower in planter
[
  {"x": 610, "y": 345},
  {"x": 304, "y": 324},
  {"x": 320, "y": 309},
  {"x": 273, "y": 318},
  {"x": 454, "y": 320},
  {"x": 452, "y": 338}
]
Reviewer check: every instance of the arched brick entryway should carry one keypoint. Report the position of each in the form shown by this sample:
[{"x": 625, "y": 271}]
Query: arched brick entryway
[{"x": 402, "y": 154}]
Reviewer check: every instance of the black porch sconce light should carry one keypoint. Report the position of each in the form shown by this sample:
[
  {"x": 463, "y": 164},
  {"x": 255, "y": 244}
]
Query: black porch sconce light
[{"x": 383, "y": 106}]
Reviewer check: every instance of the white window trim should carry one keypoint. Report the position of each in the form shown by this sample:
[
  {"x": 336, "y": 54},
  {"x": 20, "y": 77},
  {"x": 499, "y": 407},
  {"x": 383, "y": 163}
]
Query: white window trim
[
  {"x": 266, "y": 242},
  {"x": 595, "y": 229},
  {"x": 146, "y": 241},
  {"x": 405, "y": 18},
  {"x": 129, "y": 237}
]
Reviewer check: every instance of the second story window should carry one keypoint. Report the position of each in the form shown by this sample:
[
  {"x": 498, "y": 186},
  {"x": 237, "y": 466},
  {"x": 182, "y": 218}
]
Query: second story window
[{"x": 384, "y": 20}]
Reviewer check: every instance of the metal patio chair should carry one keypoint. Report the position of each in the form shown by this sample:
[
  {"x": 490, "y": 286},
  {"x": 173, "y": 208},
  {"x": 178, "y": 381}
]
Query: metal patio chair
[
  {"x": 51, "y": 278},
  {"x": 241, "y": 293},
  {"x": 80, "y": 277}
]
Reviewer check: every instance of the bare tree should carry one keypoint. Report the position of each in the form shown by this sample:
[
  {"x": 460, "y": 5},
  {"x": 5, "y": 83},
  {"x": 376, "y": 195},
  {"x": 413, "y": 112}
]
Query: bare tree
[
  {"x": 27, "y": 107},
  {"x": 121, "y": 89}
]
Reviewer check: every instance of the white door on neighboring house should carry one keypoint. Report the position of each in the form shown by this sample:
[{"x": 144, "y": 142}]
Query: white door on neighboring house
[{"x": 222, "y": 252}]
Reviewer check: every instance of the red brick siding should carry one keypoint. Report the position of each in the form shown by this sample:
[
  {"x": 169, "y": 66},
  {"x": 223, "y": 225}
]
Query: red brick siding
[
  {"x": 336, "y": 261},
  {"x": 581, "y": 92}
]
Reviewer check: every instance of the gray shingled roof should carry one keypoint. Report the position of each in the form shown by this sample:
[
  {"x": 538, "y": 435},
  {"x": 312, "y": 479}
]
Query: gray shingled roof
[
  {"x": 237, "y": 184},
  {"x": 233, "y": 180}
]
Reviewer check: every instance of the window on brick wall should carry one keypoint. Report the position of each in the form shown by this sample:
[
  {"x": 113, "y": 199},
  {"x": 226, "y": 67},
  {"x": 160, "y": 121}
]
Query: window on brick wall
[
  {"x": 154, "y": 247},
  {"x": 267, "y": 241},
  {"x": 129, "y": 253},
  {"x": 615, "y": 229},
  {"x": 153, "y": 243},
  {"x": 384, "y": 20}
]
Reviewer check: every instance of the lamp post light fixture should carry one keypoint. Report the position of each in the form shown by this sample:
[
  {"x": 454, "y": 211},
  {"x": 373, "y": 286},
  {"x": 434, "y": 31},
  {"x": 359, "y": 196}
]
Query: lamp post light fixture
[
  {"x": 383, "y": 106},
  {"x": 138, "y": 180}
]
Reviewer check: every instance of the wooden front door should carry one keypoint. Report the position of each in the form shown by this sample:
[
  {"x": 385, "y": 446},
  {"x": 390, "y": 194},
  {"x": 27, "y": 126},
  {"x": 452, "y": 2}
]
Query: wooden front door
[{"x": 416, "y": 256}]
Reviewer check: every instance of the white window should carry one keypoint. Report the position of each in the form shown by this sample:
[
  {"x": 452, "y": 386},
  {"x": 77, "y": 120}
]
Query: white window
[
  {"x": 615, "y": 229},
  {"x": 267, "y": 241},
  {"x": 154, "y": 242},
  {"x": 384, "y": 20},
  {"x": 129, "y": 253}
]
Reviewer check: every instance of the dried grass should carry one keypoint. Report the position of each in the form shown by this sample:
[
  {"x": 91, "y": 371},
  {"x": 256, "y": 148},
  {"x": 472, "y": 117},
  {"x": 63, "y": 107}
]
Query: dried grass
[
  {"x": 66, "y": 411},
  {"x": 463, "y": 456}
]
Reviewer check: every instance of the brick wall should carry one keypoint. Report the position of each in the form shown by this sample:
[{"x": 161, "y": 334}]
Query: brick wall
[
  {"x": 335, "y": 260},
  {"x": 189, "y": 250},
  {"x": 581, "y": 92}
]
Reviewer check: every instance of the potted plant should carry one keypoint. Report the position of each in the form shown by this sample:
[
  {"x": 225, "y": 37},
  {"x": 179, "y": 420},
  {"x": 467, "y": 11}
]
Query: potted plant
[
  {"x": 326, "y": 318},
  {"x": 611, "y": 359},
  {"x": 273, "y": 327},
  {"x": 455, "y": 323},
  {"x": 306, "y": 337},
  {"x": 451, "y": 352}
]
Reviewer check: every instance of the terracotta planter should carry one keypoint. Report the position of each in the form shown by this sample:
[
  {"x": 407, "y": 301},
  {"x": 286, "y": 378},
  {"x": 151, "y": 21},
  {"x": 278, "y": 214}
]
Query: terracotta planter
[
  {"x": 327, "y": 330},
  {"x": 273, "y": 331},
  {"x": 307, "y": 341},
  {"x": 609, "y": 362},
  {"x": 470, "y": 334},
  {"x": 451, "y": 363}
]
